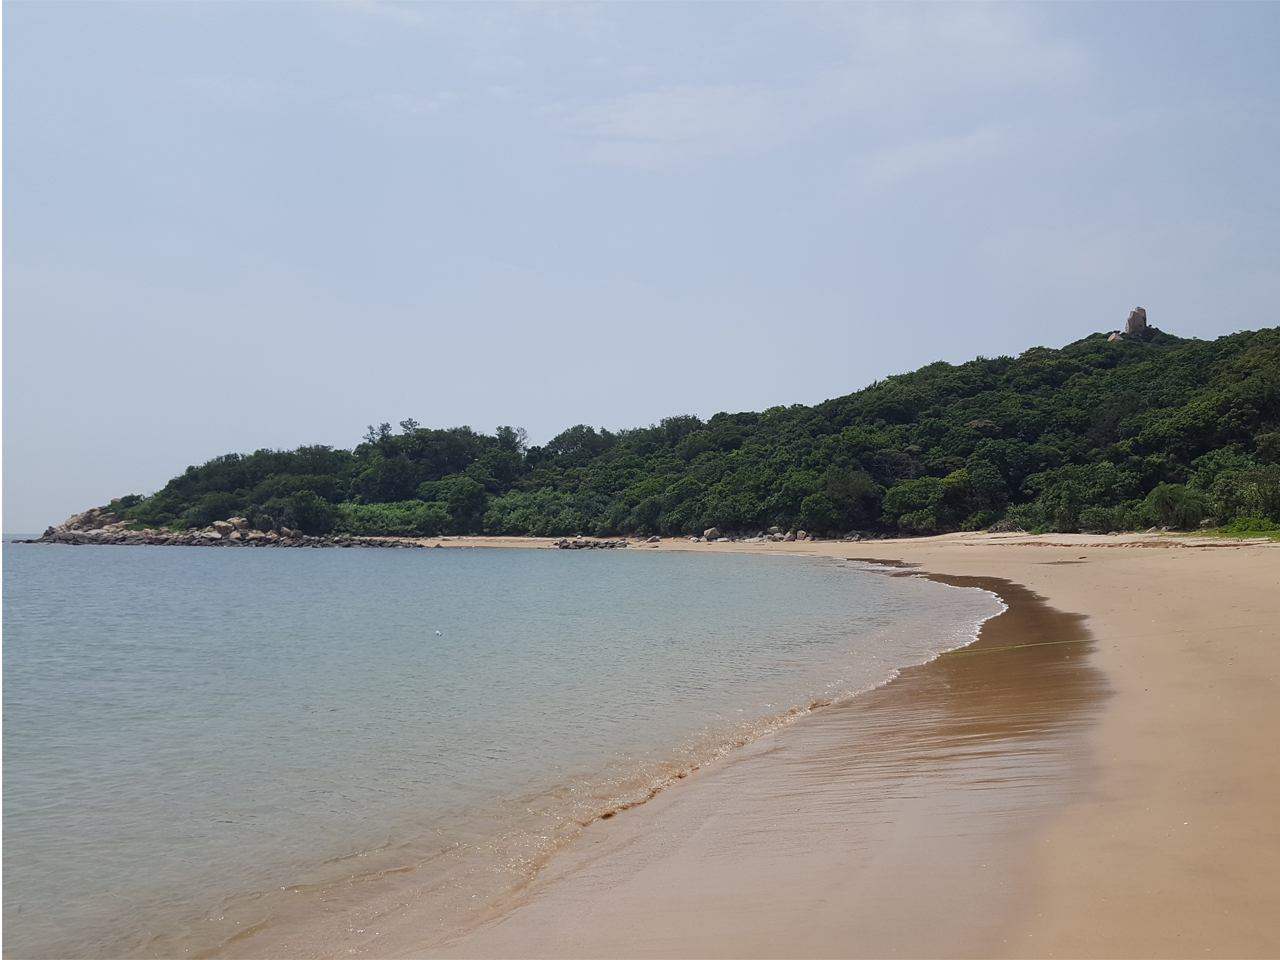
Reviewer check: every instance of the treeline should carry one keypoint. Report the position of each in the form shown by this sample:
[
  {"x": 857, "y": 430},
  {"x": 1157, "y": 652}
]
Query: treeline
[{"x": 1097, "y": 436}]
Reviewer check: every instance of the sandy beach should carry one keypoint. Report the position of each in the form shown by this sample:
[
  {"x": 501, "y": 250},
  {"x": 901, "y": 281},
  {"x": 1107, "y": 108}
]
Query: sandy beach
[
  {"x": 1104, "y": 798},
  {"x": 1096, "y": 776}
]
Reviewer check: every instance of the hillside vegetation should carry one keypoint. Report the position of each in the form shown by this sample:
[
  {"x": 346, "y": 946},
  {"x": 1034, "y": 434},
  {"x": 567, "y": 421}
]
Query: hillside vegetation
[{"x": 1097, "y": 436}]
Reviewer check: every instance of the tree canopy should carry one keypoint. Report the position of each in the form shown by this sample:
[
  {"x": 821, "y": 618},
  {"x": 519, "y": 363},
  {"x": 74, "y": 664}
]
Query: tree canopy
[{"x": 1099, "y": 435}]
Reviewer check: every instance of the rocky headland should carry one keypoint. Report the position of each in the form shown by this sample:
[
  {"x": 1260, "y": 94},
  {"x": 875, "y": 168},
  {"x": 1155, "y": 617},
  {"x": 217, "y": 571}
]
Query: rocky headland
[{"x": 101, "y": 527}]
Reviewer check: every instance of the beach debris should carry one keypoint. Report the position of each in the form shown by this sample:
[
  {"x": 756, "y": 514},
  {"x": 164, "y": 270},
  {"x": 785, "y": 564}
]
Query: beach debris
[
  {"x": 653, "y": 540},
  {"x": 1006, "y": 526}
]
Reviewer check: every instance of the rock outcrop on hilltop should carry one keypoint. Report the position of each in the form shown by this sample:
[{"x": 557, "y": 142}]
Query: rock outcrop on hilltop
[
  {"x": 1135, "y": 328},
  {"x": 1136, "y": 325}
]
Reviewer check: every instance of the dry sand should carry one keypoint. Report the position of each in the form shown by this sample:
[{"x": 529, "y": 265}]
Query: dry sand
[{"x": 1108, "y": 798}]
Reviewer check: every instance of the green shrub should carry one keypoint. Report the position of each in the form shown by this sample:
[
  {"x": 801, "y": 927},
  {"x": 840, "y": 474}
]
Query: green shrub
[
  {"x": 542, "y": 513},
  {"x": 408, "y": 518},
  {"x": 211, "y": 507},
  {"x": 1252, "y": 525},
  {"x": 818, "y": 513},
  {"x": 308, "y": 512},
  {"x": 1178, "y": 506},
  {"x": 980, "y": 520}
]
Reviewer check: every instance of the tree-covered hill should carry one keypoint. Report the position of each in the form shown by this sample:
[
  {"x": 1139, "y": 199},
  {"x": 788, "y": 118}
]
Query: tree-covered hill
[{"x": 1100, "y": 435}]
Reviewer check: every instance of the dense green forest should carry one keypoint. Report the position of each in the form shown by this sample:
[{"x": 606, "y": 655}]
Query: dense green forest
[{"x": 1097, "y": 436}]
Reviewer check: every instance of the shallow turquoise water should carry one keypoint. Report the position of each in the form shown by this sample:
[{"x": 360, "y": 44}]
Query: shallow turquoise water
[{"x": 186, "y": 729}]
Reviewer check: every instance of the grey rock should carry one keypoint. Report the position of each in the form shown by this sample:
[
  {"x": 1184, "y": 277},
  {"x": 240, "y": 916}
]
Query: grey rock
[{"x": 711, "y": 533}]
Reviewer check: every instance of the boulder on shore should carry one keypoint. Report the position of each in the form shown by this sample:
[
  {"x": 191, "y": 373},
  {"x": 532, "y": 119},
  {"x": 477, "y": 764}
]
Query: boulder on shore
[{"x": 711, "y": 533}]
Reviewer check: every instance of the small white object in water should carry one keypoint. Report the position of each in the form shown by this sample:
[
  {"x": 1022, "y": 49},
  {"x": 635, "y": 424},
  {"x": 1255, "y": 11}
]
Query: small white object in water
[{"x": 439, "y": 634}]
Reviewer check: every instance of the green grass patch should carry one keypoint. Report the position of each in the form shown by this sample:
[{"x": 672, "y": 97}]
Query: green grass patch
[{"x": 1247, "y": 528}]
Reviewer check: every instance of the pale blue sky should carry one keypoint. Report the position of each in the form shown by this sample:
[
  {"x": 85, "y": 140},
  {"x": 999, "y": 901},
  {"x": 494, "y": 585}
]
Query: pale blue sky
[{"x": 234, "y": 225}]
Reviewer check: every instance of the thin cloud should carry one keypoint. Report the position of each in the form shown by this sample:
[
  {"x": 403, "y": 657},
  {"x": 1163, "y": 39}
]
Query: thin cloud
[
  {"x": 237, "y": 92},
  {"x": 677, "y": 124},
  {"x": 400, "y": 106},
  {"x": 937, "y": 155},
  {"x": 889, "y": 71}
]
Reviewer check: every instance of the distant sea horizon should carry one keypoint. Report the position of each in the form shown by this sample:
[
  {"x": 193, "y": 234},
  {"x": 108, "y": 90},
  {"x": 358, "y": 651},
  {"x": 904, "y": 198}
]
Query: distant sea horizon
[{"x": 198, "y": 741}]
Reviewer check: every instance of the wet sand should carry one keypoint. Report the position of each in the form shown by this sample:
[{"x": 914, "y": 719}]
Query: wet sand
[
  {"x": 1174, "y": 849},
  {"x": 1119, "y": 802},
  {"x": 833, "y": 837}
]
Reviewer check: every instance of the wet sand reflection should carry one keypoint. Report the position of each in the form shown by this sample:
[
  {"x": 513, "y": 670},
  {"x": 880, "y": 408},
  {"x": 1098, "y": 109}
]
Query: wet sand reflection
[{"x": 898, "y": 823}]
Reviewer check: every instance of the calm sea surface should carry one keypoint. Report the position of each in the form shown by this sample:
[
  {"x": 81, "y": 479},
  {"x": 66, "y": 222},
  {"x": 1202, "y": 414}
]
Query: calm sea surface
[{"x": 187, "y": 733}]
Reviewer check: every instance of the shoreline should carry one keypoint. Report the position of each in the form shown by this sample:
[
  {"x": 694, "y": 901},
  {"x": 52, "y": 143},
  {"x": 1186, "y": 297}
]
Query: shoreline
[
  {"x": 1173, "y": 851},
  {"x": 1168, "y": 847},
  {"x": 832, "y": 821},
  {"x": 401, "y": 909},
  {"x": 1133, "y": 817}
]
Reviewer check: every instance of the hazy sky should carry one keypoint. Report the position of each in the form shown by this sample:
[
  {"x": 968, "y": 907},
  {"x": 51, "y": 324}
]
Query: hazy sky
[{"x": 230, "y": 226}]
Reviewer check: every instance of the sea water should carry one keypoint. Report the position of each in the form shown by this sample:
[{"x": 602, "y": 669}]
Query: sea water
[{"x": 187, "y": 731}]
